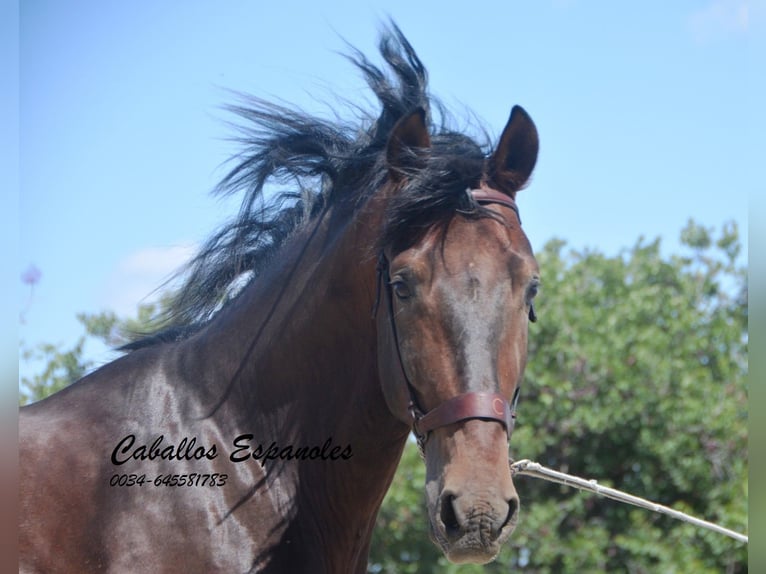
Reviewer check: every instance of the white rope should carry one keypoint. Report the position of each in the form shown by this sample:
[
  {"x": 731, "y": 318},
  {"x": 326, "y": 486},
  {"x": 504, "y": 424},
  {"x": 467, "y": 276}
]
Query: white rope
[{"x": 529, "y": 468}]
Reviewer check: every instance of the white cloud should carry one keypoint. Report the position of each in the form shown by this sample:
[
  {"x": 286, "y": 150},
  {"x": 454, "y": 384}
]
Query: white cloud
[
  {"x": 722, "y": 18},
  {"x": 137, "y": 277}
]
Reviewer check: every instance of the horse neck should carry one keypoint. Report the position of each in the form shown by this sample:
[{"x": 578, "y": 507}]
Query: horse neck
[
  {"x": 297, "y": 359},
  {"x": 294, "y": 361}
]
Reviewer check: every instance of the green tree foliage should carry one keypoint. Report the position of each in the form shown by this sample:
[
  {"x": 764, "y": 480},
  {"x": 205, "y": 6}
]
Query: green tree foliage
[{"x": 636, "y": 378}]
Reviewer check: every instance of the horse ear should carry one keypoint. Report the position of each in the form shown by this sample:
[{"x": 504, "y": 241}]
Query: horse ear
[
  {"x": 407, "y": 144},
  {"x": 511, "y": 164}
]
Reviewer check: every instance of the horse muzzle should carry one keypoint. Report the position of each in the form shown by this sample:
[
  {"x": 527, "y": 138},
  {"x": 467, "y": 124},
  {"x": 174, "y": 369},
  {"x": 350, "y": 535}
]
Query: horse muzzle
[{"x": 473, "y": 506}]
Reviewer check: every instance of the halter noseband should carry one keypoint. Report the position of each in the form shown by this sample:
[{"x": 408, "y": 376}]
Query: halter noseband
[{"x": 471, "y": 405}]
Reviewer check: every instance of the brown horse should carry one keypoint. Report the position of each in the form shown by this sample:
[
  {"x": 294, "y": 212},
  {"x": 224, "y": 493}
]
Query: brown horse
[{"x": 260, "y": 428}]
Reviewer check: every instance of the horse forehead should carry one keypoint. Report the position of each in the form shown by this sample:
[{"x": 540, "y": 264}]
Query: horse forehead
[{"x": 486, "y": 247}]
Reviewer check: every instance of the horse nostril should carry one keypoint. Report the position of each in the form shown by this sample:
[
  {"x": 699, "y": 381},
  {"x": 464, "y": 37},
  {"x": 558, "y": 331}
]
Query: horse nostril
[
  {"x": 449, "y": 517},
  {"x": 513, "y": 509}
]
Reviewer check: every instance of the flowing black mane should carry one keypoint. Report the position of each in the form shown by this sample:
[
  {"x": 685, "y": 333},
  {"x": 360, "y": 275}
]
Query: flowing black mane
[{"x": 323, "y": 163}]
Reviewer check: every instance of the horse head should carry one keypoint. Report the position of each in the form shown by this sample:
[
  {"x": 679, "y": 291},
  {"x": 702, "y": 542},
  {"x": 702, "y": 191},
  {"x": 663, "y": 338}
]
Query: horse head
[{"x": 458, "y": 287}]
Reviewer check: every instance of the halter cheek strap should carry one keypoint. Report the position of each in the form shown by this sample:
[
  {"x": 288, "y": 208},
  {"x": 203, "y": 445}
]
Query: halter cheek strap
[{"x": 472, "y": 405}]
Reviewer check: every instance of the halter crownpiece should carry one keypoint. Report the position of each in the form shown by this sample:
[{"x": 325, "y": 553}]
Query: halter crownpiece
[
  {"x": 484, "y": 196},
  {"x": 471, "y": 405}
]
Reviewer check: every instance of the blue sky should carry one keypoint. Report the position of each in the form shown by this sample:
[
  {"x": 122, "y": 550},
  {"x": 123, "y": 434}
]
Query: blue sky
[{"x": 647, "y": 117}]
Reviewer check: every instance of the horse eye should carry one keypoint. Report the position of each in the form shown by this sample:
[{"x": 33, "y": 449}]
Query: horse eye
[
  {"x": 534, "y": 286},
  {"x": 400, "y": 288},
  {"x": 532, "y": 290}
]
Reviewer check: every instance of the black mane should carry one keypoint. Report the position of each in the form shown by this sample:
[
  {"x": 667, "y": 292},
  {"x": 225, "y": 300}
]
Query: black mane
[{"x": 322, "y": 163}]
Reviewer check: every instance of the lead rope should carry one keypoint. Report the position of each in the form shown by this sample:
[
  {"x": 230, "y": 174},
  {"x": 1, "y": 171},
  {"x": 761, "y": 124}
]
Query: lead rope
[{"x": 536, "y": 470}]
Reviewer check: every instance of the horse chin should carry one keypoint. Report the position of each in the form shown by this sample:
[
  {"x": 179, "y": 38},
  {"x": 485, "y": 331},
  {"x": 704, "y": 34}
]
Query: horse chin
[
  {"x": 472, "y": 547},
  {"x": 470, "y": 550}
]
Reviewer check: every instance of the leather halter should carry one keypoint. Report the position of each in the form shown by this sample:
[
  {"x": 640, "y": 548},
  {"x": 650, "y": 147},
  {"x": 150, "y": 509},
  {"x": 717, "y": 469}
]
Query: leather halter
[{"x": 471, "y": 405}]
